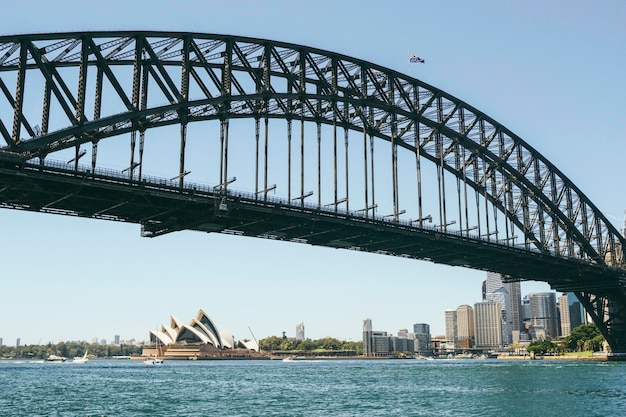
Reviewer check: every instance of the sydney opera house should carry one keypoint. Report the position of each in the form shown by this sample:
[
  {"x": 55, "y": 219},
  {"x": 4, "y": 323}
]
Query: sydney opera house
[{"x": 200, "y": 339}]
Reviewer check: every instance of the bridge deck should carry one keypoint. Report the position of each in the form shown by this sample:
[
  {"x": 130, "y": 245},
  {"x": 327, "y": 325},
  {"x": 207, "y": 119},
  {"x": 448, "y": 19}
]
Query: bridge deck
[{"x": 161, "y": 206}]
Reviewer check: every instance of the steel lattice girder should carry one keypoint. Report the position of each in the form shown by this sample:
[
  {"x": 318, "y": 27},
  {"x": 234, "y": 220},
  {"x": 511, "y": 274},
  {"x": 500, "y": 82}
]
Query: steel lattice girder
[{"x": 236, "y": 77}]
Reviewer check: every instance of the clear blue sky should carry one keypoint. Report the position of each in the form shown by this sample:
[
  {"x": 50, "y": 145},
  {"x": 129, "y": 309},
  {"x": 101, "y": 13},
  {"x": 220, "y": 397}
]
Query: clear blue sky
[{"x": 552, "y": 72}]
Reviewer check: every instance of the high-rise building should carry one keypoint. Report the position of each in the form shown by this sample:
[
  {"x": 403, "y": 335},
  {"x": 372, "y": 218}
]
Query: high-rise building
[
  {"x": 367, "y": 325},
  {"x": 368, "y": 339},
  {"x": 465, "y": 327},
  {"x": 300, "y": 332},
  {"x": 422, "y": 337},
  {"x": 375, "y": 342},
  {"x": 576, "y": 311},
  {"x": 116, "y": 340},
  {"x": 17, "y": 342},
  {"x": 508, "y": 294},
  {"x": 563, "y": 305},
  {"x": 488, "y": 322},
  {"x": 451, "y": 329},
  {"x": 401, "y": 344},
  {"x": 543, "y": 313},
  {"x": 1, "y": 342},
  {"x": 515, "y": 292},
  {"x": 525, "y": 310},
  {"x": 404, "y": 342},
  {"x": 382, "y": 343}
]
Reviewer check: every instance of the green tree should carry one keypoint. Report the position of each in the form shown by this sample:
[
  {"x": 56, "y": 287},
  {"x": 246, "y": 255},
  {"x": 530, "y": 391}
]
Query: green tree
[
  {"x": 286, "y": 344},
  {"x": 270, "y": 343},
  {"x": 585, "y": 337},
  {"x": 305, "y": 345},
  {"x": 541, "y": 347},
  {"x": 329, "y": 343}
]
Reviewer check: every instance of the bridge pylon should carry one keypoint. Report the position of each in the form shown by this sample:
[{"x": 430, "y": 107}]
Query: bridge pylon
[{"x": 608, "y": 312}]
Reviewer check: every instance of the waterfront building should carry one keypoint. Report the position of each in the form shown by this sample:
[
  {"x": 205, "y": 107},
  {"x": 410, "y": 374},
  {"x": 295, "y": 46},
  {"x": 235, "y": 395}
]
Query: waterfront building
[
  {"x": 564, "y": 316},
  {"x": 382, "y": 344},
  {"x": 543, "y": 313},
  {"x": 404, "y": 342},
  {"x": 198, "y": 340},
  {"x": 465, "y": 327},
  {"x": 438, "y": 344},
  {"x": 488, "y": 322},
  {"x": 451, "y": 329},
  {"x": 379, "y": 343},
  {"x": 300, "y": 332},
  {"x": 422, "y": 337}
]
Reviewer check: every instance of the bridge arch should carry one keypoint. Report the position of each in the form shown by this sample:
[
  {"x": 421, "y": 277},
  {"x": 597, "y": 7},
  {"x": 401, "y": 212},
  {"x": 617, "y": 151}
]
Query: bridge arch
[{"x": 72, "y": 90}]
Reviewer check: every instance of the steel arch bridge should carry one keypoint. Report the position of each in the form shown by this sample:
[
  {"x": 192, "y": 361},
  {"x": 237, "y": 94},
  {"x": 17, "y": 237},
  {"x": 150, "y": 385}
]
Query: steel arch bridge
[{"x": 395, "y": 166}]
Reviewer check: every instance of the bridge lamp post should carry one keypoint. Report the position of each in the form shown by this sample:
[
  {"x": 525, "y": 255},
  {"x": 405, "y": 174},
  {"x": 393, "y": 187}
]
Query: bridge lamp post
[
  {"x": 421, "y": 220},
  {"x": 336, "y": 203},
  {"x": 302, "y": 197},
  {"x": 223, "y": 185},
  {"x": 131, "y": 168},
  {"x": 445, "y": 225},
  {"x": 181, "y": 175},
  {"x": 366, "y": 210},
  {"x": 265, "y": 191},
  {"x": 507, "y": 239},
  {"x": 395, "y": 215},
  {"x": 495, "y": 232}
]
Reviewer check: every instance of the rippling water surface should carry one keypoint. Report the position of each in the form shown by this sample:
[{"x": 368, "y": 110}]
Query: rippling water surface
[{"x": 314, "y": 388}]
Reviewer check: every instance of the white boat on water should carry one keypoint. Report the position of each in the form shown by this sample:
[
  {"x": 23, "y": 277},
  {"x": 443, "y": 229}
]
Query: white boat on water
[
  {"x": 55, "y": 358},
  {"x": 80, "y": 359},
  {"x": 153, "y": 361}
]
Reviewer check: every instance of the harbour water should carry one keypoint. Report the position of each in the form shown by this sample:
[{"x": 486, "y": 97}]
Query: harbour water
[{"x": 314, "y": 388}]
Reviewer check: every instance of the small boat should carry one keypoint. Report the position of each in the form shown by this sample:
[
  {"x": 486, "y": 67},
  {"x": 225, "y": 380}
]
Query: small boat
[
  {"x": 80, "y": 359},
  {"x": 288, "y": 359},
  {"x": 55, "y": 358},
  {"x": 153, "y": 361}
]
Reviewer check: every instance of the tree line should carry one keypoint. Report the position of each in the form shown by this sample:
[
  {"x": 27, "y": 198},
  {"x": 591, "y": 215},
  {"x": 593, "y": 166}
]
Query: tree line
[
  {"x": 68, "y": 350},
  {"x": 275, "y": 343},
  {"x": 585, "y": 337}
]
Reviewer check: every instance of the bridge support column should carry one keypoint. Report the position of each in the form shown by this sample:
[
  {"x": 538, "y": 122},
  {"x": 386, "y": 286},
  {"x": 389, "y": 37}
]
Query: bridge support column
[{"x": 608, "y": 312}]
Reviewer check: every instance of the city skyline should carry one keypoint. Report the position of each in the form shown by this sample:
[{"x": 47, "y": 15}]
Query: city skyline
[
  {"x": 533, "y": 67},
  {"x": 298, "y": 333}
]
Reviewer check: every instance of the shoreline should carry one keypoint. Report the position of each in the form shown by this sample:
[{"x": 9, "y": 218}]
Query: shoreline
[{"x": 555, "y": 358}]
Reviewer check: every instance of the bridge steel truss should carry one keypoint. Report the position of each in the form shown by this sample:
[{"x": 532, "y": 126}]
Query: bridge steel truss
[{"x": 565, "y": 240}]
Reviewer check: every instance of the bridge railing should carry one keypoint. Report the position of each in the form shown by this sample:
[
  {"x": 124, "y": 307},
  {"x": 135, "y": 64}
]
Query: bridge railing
[{"x": 174, "y": 186}]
